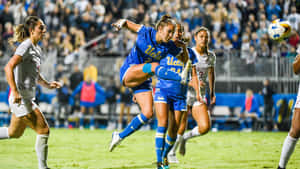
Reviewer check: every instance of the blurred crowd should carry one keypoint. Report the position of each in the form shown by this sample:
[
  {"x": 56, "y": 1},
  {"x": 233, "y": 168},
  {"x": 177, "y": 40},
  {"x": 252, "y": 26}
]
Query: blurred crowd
[{"x": 239, "y": 25}]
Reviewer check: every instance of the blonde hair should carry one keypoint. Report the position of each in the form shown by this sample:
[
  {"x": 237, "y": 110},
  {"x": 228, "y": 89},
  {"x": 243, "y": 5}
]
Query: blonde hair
[
  {"x": 164, "y": 20},
  {"x": 21, "y": 31}
]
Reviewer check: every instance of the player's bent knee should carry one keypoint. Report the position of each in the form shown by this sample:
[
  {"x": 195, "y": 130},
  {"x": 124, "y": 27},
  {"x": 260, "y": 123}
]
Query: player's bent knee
[
  {"x": 44, "y": 131},
  {"x": 148, "y": 114},
  {"x": 15, "y": 134},
  {"x": 204, "y": 128},
  {"x": 295, "y": 132}
]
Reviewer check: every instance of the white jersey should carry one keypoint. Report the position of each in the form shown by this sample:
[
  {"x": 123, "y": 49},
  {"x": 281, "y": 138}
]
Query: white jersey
[
  {"x": 27, "y": 71},
  {"x": 202, "y": 64}
]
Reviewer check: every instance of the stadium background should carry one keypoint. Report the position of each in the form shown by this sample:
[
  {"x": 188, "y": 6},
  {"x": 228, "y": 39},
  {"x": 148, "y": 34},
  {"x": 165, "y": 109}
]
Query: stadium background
[{"x": 80, "y": 33}]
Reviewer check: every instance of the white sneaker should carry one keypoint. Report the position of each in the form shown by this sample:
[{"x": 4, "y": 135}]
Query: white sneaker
[
  {"x": 172, "y": 158},
  {"x": 182, "y": 147},
  {"x": 185, "y": 73},
  {"x": 92, "y": 127},
  {"x": 81, "y": 128},
  {"x": 115, "y": 140}
]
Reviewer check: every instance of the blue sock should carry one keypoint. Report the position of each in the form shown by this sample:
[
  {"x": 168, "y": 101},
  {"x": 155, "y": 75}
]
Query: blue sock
[
  {"x": 134, "y": 125},
  {"x": 242, "y": 124},
  {"x": 92, "y": 121},
  {"x": 168, "y": 145},
  {"x": 249, "y": 123},
  {"x": 164, "y": 73},
  {"x": 159, "y": 142}
]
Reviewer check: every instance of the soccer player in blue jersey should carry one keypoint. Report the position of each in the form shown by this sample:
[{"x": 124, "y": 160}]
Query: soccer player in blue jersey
[
  {"x": 169, "y": 95},
  {"x": 203, "y": 68},
  {"x": 151, "y": 46}
]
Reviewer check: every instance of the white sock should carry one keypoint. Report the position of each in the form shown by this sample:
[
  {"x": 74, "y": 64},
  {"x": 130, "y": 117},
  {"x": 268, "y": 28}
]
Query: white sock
[
  {"x": 178, "y": 140},
  {"x": 192, "y": 133},
  {"x": 41, "y": 148},
  {"x": 4, "y": 133},
  {"x": 287, "y": 150}
]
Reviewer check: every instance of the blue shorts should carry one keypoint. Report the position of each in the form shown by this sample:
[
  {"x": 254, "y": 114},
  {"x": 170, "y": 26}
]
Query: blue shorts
[
  {"x": 175, "y": 102},
  {"x": 144, "y": 87}
]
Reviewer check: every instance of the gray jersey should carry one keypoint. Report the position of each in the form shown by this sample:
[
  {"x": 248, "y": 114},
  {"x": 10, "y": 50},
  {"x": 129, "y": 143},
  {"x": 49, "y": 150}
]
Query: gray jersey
[{"x": 27, "y": 71}]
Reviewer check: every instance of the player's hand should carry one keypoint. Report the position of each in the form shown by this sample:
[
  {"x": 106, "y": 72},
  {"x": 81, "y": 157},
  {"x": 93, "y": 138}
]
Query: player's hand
[
  {"x": 202, "y": 84},
  {"x": 17, "y": 97},
  {"x": 119, "y": 24},
  {"x": 199, "y": 99},
  {"x": 55, "y": 85},
  {"x": 213, "y": 100}
]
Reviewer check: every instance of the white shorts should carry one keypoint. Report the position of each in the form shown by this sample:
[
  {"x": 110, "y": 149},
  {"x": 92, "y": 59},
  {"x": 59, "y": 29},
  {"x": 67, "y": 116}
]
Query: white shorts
[
  {"x": 26, "y": 106},
  {"x": 297, "y": 104},
  {"x": 192, "y": 99}
]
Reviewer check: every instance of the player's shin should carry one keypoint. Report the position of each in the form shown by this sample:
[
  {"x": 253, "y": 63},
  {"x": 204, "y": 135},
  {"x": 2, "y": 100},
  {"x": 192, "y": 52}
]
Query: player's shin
[
  {"x": 169, "y": 143},
  {"x": 134, "y": 125},
  {"x": 175, "y": 146},
  {"x": 192, "y": 133},
  {"x": 159, "y": 142},
  {"x": 4, "y": 133},
  {"x": 287, "y": 150},
  {"x": 41, "y": 148}
]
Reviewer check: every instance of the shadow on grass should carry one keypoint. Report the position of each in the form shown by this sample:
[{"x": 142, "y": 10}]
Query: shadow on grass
[{"x": 133, "y": 167}]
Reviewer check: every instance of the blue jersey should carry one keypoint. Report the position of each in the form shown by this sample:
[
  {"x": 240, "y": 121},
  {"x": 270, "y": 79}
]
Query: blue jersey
[
  {"x": 147, "y": 50},
  {"x": 174, "y": 64}
]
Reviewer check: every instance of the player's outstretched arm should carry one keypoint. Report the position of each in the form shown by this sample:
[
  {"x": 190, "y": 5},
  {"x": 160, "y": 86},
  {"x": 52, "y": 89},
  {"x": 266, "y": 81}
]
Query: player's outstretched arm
[
  {"x": 49, "y": 85},
  {"x": 124, "y": 23},
  {"x": 296, "y": 64}
]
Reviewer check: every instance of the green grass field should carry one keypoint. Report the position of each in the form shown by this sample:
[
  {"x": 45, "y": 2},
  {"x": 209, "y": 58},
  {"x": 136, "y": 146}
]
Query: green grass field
[{"x": 74, "y": 149}]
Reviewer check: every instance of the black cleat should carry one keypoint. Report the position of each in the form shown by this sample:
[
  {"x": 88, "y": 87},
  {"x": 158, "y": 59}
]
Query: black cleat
[{"x": 280, "y": 168}]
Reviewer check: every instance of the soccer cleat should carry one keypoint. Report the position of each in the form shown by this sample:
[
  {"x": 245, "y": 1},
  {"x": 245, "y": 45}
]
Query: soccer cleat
[
  {"x": 172, "y": 158},
  {"x": 280, "y": 167},
  {"x": 115, "y": 140},
  {"x": 185, "y": 73},
  {"x": 160, "y": 165},
  {"x": 166, "y": 163},
  {"x": 182, "y": 147}
]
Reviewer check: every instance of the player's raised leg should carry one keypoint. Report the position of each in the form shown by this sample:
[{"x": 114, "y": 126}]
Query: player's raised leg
[
  {"x": 201, "y": 115},
  {"x": 145, "y": 101}
]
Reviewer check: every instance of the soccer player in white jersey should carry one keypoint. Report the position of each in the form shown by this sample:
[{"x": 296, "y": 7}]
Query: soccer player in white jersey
[
  {"x": 203, "y": 68},
  {"x": 22, "y": 74},
  {"x": 290, "y": 141}
]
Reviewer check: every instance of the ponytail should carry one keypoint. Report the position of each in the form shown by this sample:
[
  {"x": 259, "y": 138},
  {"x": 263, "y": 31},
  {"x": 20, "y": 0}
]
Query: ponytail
[
  {"x": 20, "y": 34},
  {"x": 21, "y": 31},
  {"x": 164, "y": 20}
]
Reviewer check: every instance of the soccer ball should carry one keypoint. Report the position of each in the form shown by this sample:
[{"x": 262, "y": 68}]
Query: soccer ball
[{"x": 279, "y": 29}]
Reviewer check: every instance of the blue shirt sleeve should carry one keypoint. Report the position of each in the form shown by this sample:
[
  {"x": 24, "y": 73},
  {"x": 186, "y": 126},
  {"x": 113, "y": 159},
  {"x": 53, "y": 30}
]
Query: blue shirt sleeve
[
  {"x": 99, "y": 89},
  {"x": 143, "y": 30},
  {"x": 192, "y": 55}
]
